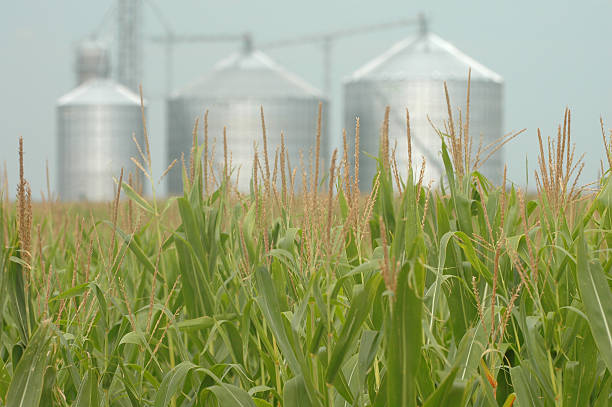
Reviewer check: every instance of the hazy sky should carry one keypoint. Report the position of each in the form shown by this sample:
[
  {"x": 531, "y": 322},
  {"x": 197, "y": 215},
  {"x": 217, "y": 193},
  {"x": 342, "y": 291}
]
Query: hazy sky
[{"x": 551, "y": 54}]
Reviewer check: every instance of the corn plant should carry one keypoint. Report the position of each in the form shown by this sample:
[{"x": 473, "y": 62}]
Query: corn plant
[{"x": 467, "y": 294}]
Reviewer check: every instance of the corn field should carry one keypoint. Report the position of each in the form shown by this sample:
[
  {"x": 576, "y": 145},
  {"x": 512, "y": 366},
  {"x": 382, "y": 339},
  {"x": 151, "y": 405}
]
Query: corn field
[{"x": 458, "y": 294}]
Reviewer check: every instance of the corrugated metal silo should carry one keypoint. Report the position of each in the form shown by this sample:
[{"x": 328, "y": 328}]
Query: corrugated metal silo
[
  {"x": 411, "y": 75},
  {"x": 95, "y": 122},
  {"x": 233, "y": 93}
]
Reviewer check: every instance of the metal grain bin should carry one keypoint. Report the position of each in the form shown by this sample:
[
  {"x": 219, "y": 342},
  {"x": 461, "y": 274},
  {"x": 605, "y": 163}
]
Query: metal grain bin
[
  {"x": 233, "y": 93},
  {"x": 411, "y": 75},
  {"x": 95, "y": 122},
  {"x": 92, "y": 61}
]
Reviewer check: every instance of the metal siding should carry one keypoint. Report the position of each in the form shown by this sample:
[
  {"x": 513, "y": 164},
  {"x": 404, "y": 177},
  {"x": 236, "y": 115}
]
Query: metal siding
[
  {"x": 297, "y": 118},
  {"x": 94, "y": 143}
]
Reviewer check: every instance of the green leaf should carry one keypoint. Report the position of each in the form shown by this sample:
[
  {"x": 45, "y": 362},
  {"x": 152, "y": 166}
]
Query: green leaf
[
  {"x": 597, "y": 298},
  {"x": 139, "y": 253},
  {"x": 268, "y": 302},
  {"x": 510, "y": 400},
  {"x": 368, "y": 346},
  {"x": 5, "y": 379},
  {"x": 134, "y": 338},
  {"x": 136, "y": 197},
  {"x": 524, "y": 394},
  {"x": 231, "y": 396},
  {"x": 439, "y": 273},
  {"x": 26, "y": 387},
  {"x": 440, "y": 397},
  {"x": 102, "y": 305},
  {"x": 46, "y": 399},
  {"x": 172, "y": 382},
  {"x": 605, "y": 396},
  {"x": 261, "y": 403},
  {"x": 357, "y": 314},
  {"x": 129, "y": 387},
  {"x": 71, "y": 292},
  {"x": 196, "y": 323},
  {"x": 89, "y": 393},
  {"x": 470, "y": 351},
  {"x": 404, "y": 339},
  {"x": 20, "y": 300},
  {"x": 295, "y": 393}
]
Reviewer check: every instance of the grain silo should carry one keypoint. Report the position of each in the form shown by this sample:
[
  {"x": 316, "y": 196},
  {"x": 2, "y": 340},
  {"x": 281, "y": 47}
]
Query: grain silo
[
  {"x": 411, "y": 75},
  {"x": 95, "y": 122},
  {"x": 92, "y": 61},
  {"x": 233, "y": 93}
]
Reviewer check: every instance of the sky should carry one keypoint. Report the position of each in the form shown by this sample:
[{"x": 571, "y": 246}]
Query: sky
[{"x": 551, "y": 54}]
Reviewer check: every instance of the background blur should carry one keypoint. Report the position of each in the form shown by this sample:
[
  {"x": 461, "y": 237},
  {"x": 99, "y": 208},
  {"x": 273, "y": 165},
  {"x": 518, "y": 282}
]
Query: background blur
[{"x": 551, "y": 54}]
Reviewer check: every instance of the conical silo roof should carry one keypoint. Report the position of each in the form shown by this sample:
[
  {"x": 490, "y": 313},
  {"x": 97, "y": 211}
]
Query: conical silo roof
[
  {"x": 423, "y": 57},
  {"x": 249, "y": 74},
  {"x": 100, "y": 91}
]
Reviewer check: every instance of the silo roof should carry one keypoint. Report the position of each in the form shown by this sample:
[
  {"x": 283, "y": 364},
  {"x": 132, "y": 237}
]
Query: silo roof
[
  {"x": 425, "y": 56},
  {"x": 249, "y": 74},
  {"x": 100, "y": 91}
]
